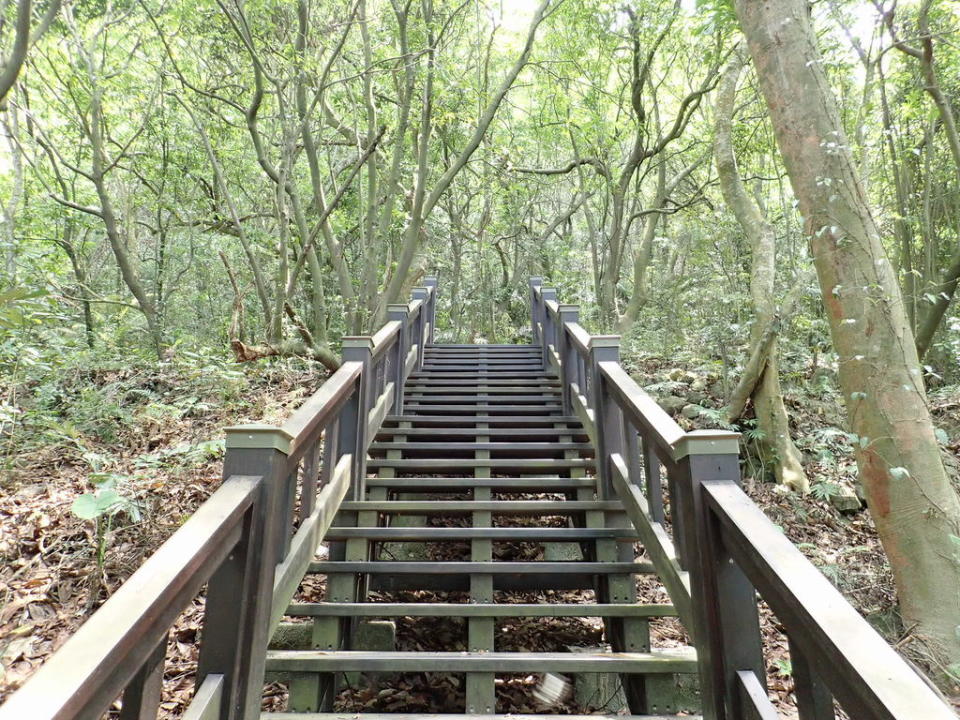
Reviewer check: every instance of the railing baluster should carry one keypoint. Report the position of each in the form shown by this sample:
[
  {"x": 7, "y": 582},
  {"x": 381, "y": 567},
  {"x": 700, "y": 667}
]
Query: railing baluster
[
  {"x": 141, "y": 698},
  {"x": 814, "y": 701},
  {"x": 309, "y": 480},
  {"x": 331, "y": 450},
  {"x": 631, "y": 448},
  {"x": 726, "y": 622},
  {"x": 651, "y": 473}
]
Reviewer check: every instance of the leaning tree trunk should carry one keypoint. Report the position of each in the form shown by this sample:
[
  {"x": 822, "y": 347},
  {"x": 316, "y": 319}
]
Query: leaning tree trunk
[
  {"x": 914, "y": 506},
  {"x": 776, "y": 445}
]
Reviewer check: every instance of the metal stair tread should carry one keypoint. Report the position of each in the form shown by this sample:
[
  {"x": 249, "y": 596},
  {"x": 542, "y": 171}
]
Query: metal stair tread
[
  {"x": 545, "y": 507},
  {"x": 491, "y": 567},
  {"x": 465, "y": 610},
  {"x": 656, "y": 661}
]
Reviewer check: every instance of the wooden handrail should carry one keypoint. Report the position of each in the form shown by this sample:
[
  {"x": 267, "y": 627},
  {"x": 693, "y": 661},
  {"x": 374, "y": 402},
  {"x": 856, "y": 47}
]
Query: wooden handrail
[
  {"x": 82, "y": 679},
  {"x": 719, "y": 549},
  {"x": 240, "y": 543},
  {"x": 580, "y": 337},
  {"x": 385, "y": 337},
  {"x": 869, "y": 678},
  {"x": 642, "y": 410},
  {"x": 310, "y": 418}
]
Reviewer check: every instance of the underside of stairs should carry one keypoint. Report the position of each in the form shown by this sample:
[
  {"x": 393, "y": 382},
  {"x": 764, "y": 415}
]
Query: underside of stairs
[{"x": 480, "y": 512}]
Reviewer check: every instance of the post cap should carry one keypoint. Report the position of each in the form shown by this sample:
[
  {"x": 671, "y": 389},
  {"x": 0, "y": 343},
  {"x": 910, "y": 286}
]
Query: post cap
[
  {"x": 420, "y": 293},
  {"x": 356, "y": 341},
  {"x": 398, "y": 308},
  {"x": 548, "y": 293},
  {"x": 258, "y": 436},
  {"x": 707, "y": 442},
  {"x": 430, "y": 281},
  {"x": 536, "y": 281},
  {"x": 567, "y": 308},
  {"x": 604, "y": 341}
]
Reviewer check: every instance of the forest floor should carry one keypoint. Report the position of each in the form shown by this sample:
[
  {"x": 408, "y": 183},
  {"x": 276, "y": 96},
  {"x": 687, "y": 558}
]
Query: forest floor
[{"x": 162, "y": 451}]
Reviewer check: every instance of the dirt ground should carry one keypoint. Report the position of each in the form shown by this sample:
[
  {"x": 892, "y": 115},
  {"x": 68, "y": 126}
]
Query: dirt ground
[{"x": 50, "y": 581}]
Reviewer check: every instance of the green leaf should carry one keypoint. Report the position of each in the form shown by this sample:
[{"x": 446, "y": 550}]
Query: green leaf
[
  {"x": 109, "y": 500},
  {"x": 899, "y": 473},
  {"x": 86, "y": 507}
]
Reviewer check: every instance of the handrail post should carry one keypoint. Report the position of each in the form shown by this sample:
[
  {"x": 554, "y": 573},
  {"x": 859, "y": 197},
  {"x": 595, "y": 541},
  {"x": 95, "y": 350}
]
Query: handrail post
[
  {"x": 421, "y": 293},
  {"x": 535, "y": 283},
  {"x": 607, "y": 416},
  {"x": 726, "y": 627},
  {"x": 431, "y": 282},
  {"x": 401, "y": 313},
  {"x": 566, "y": 352},
  {"x": 353, "y": 435},
  {"x": 547, "y": 323},
  {"x": 236, "y": 621}
]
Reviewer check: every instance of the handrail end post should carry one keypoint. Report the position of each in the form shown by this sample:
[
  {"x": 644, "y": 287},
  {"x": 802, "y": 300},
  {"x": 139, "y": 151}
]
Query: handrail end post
[
  {"x": 236, "y": 625},
  {"x": 607, "y": 414},
  {"x": 726, "y": 627},
  {"x": 352, "y": 438},
  {"x": 546, "y": 323},
  {"x": 401, "y": 313},
  {"x": 566, "y": 313},
  {"x": 430, "y": 281},
  {"x": 536, "y": 282},
  {"x": 421, "y": 293}
]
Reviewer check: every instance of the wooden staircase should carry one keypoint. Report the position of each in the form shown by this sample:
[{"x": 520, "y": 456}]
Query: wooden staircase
[
  {"x": 483, "y": 455},
  {"x": 476, "y": 452}
]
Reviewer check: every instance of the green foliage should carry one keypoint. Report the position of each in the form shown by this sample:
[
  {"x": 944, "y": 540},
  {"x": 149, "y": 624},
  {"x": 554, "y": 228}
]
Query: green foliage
[
  {"x": 824, "y": 490},
  {"x": 784, "y": 667}
]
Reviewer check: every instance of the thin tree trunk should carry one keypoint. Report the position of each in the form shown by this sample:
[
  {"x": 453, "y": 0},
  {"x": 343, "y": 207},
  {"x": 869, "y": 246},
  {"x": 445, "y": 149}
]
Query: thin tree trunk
[
  {"x": 775, "y": 443},
  {"x": 911, "y": 499},
  {"x": 411, "y": 240}
]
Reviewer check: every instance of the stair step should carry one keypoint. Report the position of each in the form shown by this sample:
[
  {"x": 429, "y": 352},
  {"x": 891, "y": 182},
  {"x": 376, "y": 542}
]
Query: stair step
[
  {"x": 475, "y": 374},
  {"x": 479, "y": 369},
  {"x": 514, "y": 447},
  {"x": 401, "y": 567},
  {"x": 440, "y": 435},
  {"x": 501, "y": 484},
  {"x": 468, "y": 610},
  {"x": 529, "y": 388},
  {"x": 497, "y": 507},
  {"x": 656, "y": 662},
  {"x": 482, "y": 361},
  {"x": 471, "y": 381},
  {"x": 502, "y": 420},
  {"x": 514, "y": 464},
  {"x": 537, "y": 400},
  {"x": 444, "y": 348},
  {"x": 471, "y": 409},
  {"x": 511, "y": 534},
  {"x": 459, "y": 716},
  {"x": 494, "y": 346}
]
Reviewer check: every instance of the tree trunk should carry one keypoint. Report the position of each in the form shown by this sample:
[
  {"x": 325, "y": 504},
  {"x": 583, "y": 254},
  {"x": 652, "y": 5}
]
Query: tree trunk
[
  {"x": 914, "y": 506},
  {"x": 776, "y": 445}
]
